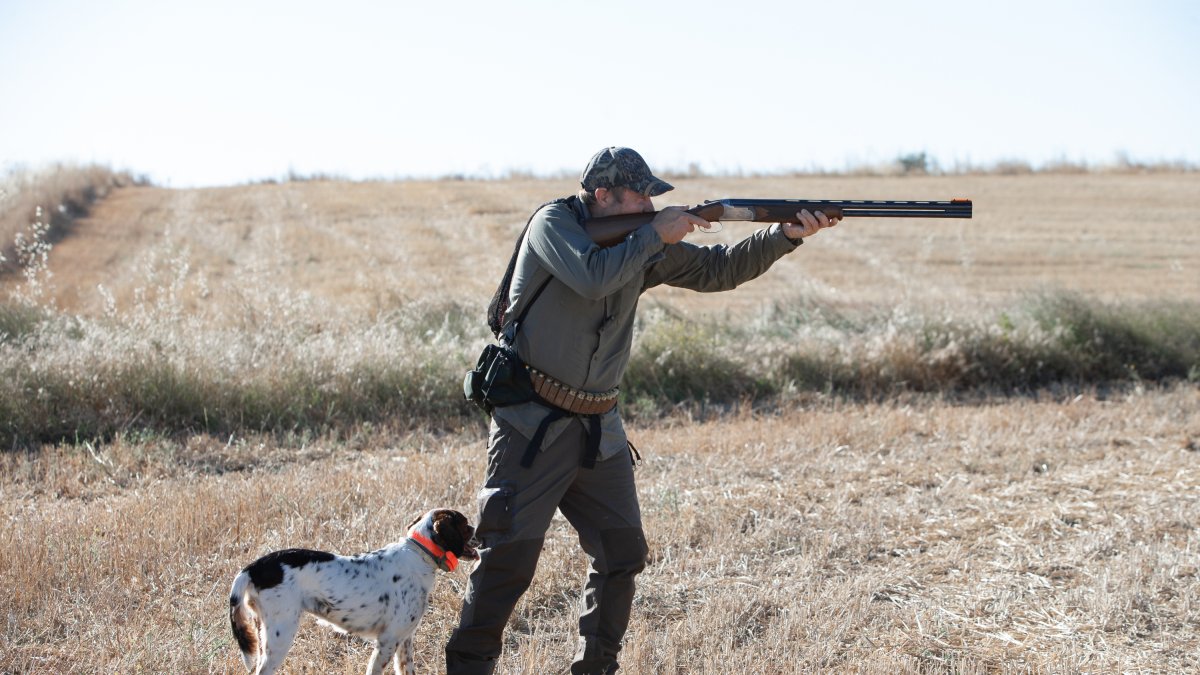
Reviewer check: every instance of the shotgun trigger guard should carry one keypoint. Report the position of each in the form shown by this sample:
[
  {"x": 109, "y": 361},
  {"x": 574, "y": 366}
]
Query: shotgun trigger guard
[{"x": 714, "y": 225}]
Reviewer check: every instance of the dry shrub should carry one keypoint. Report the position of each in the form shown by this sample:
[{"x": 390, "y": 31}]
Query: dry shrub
[
  {"x": 87, "y": 379},
  {"x": 298, "y": 371}
]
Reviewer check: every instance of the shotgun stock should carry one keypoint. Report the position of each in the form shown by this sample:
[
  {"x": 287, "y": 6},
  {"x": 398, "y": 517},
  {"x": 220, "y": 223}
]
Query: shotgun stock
[{"x": 611, "y": 230}]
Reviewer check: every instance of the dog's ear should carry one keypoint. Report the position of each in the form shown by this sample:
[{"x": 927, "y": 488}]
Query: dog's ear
[
  {"x": 447, "y": 531},
  {"x": 414, "y": 522}
]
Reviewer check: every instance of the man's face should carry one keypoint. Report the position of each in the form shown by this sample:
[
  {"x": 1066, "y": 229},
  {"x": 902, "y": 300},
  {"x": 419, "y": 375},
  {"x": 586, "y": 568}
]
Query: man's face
[{"x": 629, "y": 201}]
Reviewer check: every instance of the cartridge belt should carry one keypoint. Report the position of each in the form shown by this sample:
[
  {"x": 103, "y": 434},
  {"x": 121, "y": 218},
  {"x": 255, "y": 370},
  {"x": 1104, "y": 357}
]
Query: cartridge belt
[{"x": 570, "y": 399}]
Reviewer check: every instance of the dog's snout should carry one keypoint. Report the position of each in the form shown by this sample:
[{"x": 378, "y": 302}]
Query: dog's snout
[{"x": 472, "y": 543}]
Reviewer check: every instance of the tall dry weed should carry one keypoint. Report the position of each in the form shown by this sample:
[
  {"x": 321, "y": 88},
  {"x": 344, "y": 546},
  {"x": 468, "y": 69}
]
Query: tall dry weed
[{"x": 52, "y": 198}]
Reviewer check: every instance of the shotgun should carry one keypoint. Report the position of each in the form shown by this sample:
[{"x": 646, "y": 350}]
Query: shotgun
[{"x": 611, "y": 230}]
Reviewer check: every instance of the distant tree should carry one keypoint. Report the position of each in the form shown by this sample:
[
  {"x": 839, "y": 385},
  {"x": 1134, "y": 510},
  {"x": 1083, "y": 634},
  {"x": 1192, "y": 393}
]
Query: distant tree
[{"x": 914, "y": 162}]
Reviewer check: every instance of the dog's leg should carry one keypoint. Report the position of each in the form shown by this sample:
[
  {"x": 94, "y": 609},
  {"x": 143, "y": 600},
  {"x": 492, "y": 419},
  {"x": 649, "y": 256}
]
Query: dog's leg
[
  {"x": 403, "y": 662},
  {"x": 277, "y": 640},
  {"x": 385, "y": 649}
]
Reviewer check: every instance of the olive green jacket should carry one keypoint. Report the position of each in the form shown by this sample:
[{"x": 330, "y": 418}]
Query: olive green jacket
[{"x": 580, "y": 329}]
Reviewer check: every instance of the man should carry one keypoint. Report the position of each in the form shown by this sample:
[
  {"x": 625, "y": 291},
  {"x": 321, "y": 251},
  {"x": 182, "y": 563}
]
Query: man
[{"x": 570, "y": 318}]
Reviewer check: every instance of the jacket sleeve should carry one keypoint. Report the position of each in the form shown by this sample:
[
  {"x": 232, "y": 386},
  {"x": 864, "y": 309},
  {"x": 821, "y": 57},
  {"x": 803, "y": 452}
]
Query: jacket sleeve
[
  {"x": 720, "y": 268},
  {"x": 563, "y": 247}
]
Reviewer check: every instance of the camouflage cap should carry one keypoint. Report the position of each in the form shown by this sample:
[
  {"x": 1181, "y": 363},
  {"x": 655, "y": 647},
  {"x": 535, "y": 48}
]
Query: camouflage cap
[{"x": 615, "y": 166}]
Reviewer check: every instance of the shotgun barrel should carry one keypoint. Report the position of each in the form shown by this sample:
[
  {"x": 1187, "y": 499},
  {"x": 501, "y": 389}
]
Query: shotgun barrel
[
  {"x": 784, "y": 210},
  {"x": 611, "y": 230}
]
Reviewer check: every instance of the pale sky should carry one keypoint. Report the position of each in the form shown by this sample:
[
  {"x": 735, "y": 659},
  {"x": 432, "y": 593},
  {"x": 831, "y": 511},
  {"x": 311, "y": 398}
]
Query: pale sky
[{"x": 217, "y": 92}]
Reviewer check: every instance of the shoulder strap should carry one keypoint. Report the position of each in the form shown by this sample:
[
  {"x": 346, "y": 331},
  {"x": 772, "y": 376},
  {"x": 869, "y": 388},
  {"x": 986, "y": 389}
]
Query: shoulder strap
[{"x": 498, "y": 306}]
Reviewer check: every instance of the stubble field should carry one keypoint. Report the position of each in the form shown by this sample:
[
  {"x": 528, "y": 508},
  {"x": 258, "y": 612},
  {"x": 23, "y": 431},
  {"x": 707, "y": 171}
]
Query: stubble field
[{"x": 1045, "y": 531}]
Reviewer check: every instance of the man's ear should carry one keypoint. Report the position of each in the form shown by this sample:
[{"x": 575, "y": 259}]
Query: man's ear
[{"x": 604, "y": 196}]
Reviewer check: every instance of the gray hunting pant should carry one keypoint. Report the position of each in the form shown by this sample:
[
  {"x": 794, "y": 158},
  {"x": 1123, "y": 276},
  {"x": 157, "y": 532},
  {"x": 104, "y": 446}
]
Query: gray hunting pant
[{"x": 515, "y": 508}]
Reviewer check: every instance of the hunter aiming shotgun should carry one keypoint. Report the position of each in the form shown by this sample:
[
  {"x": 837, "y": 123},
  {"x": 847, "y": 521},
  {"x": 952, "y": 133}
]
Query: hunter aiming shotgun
[{"x": 611, "y": 230}]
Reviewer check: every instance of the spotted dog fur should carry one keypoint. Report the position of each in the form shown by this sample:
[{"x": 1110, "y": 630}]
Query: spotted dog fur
[{"x": 381, "y": 595}]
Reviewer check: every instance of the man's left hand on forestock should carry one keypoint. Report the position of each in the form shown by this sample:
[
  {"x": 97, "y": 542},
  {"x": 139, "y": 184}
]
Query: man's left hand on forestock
[{"x": 809, "y": 224}]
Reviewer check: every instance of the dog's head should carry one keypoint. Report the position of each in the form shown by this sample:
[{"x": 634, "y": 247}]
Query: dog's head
[{"x": 450, "y": 531}]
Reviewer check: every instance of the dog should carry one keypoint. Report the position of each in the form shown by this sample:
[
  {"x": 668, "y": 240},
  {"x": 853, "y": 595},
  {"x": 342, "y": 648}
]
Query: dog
[{"x": 381, "y": 595}]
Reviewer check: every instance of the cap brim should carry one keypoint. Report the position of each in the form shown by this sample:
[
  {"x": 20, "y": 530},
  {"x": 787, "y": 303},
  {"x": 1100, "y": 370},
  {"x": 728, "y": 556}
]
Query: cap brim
[{"x": 654, "y": 186}]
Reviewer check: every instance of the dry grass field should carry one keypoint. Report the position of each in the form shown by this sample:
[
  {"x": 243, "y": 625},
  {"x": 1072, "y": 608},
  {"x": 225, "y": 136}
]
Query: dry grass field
[
  {"x": 371, "y": 247},
  {"x": 1053, "y": 531}
]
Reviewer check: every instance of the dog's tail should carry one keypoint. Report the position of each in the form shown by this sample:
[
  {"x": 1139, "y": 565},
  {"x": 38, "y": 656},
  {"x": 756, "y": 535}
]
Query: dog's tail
[{"x": 240, "y": 619}]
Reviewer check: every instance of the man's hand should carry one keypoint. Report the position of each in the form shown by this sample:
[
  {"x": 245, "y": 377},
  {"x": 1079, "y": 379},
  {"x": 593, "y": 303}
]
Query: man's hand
[
  {"x": 809, "y": 224},
  {"x": 674, "y": 223}
]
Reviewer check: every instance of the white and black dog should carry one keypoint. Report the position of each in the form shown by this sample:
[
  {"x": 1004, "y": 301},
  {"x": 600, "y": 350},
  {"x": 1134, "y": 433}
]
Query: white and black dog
[{"x": 381, "y": 595}]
